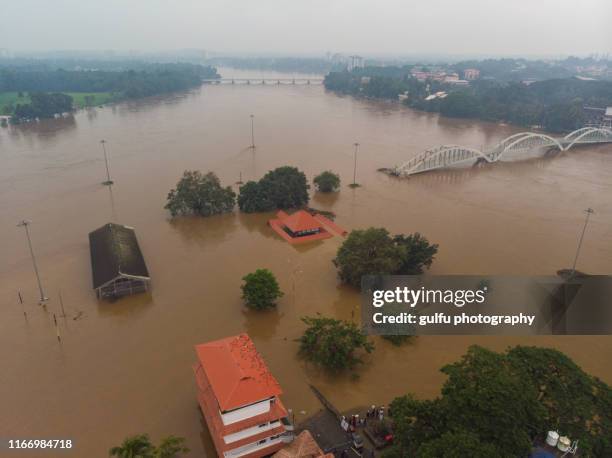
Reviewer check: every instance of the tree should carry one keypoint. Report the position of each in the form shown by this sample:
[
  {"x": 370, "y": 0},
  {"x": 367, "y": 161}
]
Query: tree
[
  {"x": 140, "y": 446},
  {"x": 286, "y": 186},
  {"x": 252, "y": 198},
  {"x": 283, "y": 187},
  {"x": 327, "y": 181},
  {"x": 171, "y": 447},
  {"x": 374, "y": 252},
  {"x": 333, "y": 344},
  {"x": 457, "y": 445},
  {"x": 201, "y": 195},
  {"x": 260, "y": 289},
  {"x": 368, "y": 252},
  {"x": 398, "y": 339},
  {"x": 496, "y": 404},
  {"x": 419, "y": 253}
]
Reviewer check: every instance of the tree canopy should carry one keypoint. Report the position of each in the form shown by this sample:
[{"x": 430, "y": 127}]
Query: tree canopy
[
  {"x": 374, "y": 252},
  {"x": 43, "y": 106},
  {"x": 260, "y": 289},
  {"x": 333, "y": 344},
  {"x": 327, "y": 181},
  {"x": 496, "y": 404},
  {"x": 140, "y": 446},
  {"x": 283, "y": 187},
  {"x": 199, "y": 194}
]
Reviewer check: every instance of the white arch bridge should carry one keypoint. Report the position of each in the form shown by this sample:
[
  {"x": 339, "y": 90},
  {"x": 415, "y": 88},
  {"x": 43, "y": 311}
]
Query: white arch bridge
[{"x": 446, "y": 156}]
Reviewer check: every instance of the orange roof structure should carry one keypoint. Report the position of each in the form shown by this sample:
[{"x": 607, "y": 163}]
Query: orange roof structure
[
  {"x": 303, "y": 446},
  {"x": 237, "y": 373},
  {"x": 302, "y": 226},
  {"x": 301, "y": 221}
]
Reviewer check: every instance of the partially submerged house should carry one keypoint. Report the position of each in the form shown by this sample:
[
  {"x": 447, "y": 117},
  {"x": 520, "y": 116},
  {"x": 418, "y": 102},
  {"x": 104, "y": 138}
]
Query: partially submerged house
[
  {"x": 301, "y": 226},
  {"x": 239, "y": 399},
  {"x": 117, "y": 266}
]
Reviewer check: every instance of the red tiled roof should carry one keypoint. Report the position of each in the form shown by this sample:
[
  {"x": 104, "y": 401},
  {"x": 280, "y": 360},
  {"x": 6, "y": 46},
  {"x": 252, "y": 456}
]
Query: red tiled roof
[
  {"x": 301, "y": 220},
  {"x": 237, "y": 373}
]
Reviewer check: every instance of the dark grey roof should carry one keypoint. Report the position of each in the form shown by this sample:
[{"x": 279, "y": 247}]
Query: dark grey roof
[{"x": 115, "y": 251}]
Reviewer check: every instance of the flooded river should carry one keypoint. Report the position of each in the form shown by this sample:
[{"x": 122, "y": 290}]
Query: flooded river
[{"x": 125, "y": 368}]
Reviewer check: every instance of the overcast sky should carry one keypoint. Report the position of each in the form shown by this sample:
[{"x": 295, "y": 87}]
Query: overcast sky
[{"x": 478, "y": 27}]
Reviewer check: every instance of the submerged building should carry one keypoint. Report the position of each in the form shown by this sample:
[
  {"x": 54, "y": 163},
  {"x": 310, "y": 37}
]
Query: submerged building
[
  {"x": 301, "y": 227},
  {"x": 117, "y": 266},
  {"x": 239, "y": 399}
]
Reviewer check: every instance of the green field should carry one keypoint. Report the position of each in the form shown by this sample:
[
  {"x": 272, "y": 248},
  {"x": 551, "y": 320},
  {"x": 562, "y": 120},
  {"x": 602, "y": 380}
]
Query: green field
[{"x": 80, "y": 99}]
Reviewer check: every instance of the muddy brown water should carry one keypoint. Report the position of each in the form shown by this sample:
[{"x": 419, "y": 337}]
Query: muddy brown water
[{"x": 125, "y": 367}]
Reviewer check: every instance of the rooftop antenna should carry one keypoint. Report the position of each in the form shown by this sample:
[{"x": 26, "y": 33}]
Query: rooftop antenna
[
  {"x": 25, "y": 223},
  {"x": 108, "y": 181}
]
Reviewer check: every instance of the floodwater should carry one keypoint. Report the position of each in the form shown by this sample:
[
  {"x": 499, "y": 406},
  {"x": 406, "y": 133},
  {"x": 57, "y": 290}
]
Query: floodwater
[{"x": 124, "y": 368}]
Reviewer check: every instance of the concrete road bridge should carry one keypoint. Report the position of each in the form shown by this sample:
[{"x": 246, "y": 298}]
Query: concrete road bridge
[
  {"x": 264, "y": 81},
  {"x": 451, "y": 155}
]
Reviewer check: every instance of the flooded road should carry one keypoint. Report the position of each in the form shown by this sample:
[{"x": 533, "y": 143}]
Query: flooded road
[{"x": 125, "y": 368}]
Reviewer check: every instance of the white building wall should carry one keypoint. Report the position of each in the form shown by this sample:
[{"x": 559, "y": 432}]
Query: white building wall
[
  {"x": 239, "y": 435},
  {"x": 250, "y": 448},
  {"x": 243, "y": 413}
]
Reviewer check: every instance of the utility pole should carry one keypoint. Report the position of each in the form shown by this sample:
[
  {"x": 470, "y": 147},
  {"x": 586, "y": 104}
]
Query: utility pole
[
  {"x": 252, "y": 132},
  {"x": 108, "y": 181},
  {"x": 589, "y": 211},
  {"x": 25, "y": 223},
  {"x": 355, "y": 165}
]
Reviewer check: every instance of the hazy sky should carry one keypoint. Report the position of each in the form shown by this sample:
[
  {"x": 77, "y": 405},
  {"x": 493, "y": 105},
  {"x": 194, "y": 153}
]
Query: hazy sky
[{"x": 494, "y": 27}]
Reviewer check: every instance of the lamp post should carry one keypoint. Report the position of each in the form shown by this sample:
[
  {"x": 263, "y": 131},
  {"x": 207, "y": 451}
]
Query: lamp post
[
  {"x": 108, "y": 181},
  {"x": 25, "y": 223},
  {"x": 355, "y": 165},
  {"x": 252, "y": 132},
  {"x": 589, "y": 211}
]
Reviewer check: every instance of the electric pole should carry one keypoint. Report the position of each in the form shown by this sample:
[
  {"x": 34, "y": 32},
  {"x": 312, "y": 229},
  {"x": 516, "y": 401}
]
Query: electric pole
[
  {"x": 589, "y": 211},
  {"x": 25, "y": 223},
  {"x": 108, "y": 181},
  {"x": 252, "y": 132},
  {"x": 355, "y": 165}
]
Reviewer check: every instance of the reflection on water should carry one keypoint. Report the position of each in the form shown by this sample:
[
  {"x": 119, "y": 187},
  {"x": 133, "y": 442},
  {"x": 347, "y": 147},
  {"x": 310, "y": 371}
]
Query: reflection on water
[{"x": 125, "y": 367}]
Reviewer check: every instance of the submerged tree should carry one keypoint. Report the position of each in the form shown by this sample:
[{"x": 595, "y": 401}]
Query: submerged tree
[
  {"x": 333, "y": 344},
  {"x": 419, "y": 253},
  {"x": 198, "y": 194},
  {"x": 283, "y": 187},
  {"x": 374, "y": 252},
  {"x": 367, "y": 252},
  {"x": 140, "y": 446},
  {"x": 260, "y": 289},
  {"x": 327, "y": 181}
]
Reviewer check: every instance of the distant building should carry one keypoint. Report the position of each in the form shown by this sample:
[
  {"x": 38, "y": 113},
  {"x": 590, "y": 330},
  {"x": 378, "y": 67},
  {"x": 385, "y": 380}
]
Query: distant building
[
  {"x": 355, "y": 62},
  {"x": 471, "y": 74},
  {"x": 457, "y": 82},
  {"x": 239, "y": 399},
  {"x": 117, "y": 266},
  {"x": 607, "y": 119}
]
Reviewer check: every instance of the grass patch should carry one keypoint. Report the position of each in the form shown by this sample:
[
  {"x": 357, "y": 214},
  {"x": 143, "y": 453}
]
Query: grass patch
[{"x": 8, "y": 100}]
